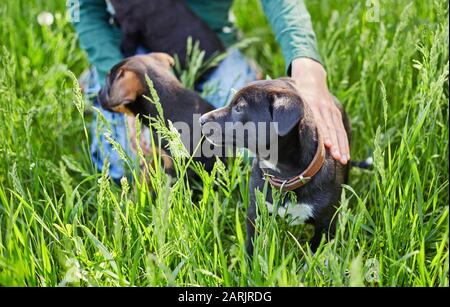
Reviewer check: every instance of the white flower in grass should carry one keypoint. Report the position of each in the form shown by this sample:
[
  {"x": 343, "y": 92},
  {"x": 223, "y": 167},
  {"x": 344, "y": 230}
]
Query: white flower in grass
[{"x": 45, "y": 19}]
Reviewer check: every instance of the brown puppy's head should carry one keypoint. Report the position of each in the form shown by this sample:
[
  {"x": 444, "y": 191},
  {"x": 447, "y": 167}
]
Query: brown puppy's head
[
  {"x": 256, "y": 106},
  {"x": 125, "y": 82}
]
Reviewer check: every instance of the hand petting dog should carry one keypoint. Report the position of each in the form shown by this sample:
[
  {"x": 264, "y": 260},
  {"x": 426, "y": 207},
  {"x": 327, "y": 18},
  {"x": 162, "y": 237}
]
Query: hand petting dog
[{"x": 310, "y": 77}]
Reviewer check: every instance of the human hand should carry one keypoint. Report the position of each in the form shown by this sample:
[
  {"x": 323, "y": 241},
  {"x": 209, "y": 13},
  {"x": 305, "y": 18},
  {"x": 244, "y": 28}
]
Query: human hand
[{"x": 311, "y": 80}]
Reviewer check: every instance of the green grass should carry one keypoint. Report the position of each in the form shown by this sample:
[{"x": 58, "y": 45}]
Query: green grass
[{"x": 61, "y": 223}]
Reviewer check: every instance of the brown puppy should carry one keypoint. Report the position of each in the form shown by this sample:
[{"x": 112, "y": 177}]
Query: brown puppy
[
  {"x": 125, "y": 87},
  {"x": 301, "y": 164},
  {"x": 162, "y": 26}
]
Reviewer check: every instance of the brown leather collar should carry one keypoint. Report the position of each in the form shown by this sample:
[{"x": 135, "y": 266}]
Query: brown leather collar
[{"x": 298, "y": 181}]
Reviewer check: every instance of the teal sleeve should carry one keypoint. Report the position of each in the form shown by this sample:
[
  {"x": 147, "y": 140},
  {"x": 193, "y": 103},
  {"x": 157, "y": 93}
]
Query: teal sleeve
[
  {"x": 99, "y": 38},
  {"x": 293, "y": 30}
]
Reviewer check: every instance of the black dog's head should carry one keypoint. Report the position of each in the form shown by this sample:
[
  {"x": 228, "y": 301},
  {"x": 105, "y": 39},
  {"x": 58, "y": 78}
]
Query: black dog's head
[
  {"x": 257, "y": 106},
  {"x": 125, "y": 82}
]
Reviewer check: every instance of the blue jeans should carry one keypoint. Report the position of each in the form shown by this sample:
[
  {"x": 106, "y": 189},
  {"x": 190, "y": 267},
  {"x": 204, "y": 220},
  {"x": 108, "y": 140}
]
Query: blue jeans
[{"x": 233, "y": 72}]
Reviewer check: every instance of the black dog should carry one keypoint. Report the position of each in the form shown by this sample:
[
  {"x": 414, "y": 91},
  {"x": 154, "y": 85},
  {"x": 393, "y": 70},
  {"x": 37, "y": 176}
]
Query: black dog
[
  {"x": 162, "y": 26},
  {"x": 302, "y": 166},
  {"x": 125, "y": 88}
]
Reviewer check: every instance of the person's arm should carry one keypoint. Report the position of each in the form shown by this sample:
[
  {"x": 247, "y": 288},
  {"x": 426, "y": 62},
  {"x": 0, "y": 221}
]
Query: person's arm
[
  {"x": 101, "y": 41},
  {"x": 293, "y": 30},
  {"x": 98, "y": 37}
]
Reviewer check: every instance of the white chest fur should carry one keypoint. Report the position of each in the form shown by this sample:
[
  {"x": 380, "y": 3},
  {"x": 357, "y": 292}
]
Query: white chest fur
[{"x": 296, "y": 213}]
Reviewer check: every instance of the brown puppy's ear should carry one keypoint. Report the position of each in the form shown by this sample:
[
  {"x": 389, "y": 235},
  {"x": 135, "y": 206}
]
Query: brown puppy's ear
[
  {"x": 125, "y": 87},
  {"x": 287, "y": 110},
  {"x": 163, "y": 58}
]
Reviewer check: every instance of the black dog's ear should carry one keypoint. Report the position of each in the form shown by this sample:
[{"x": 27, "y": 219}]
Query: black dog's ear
[{"x": 287, "y": 110}]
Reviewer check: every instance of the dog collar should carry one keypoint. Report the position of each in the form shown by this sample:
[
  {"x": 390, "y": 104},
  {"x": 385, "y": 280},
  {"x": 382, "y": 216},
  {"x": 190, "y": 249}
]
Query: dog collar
[{"x": 298, "y": 181}]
